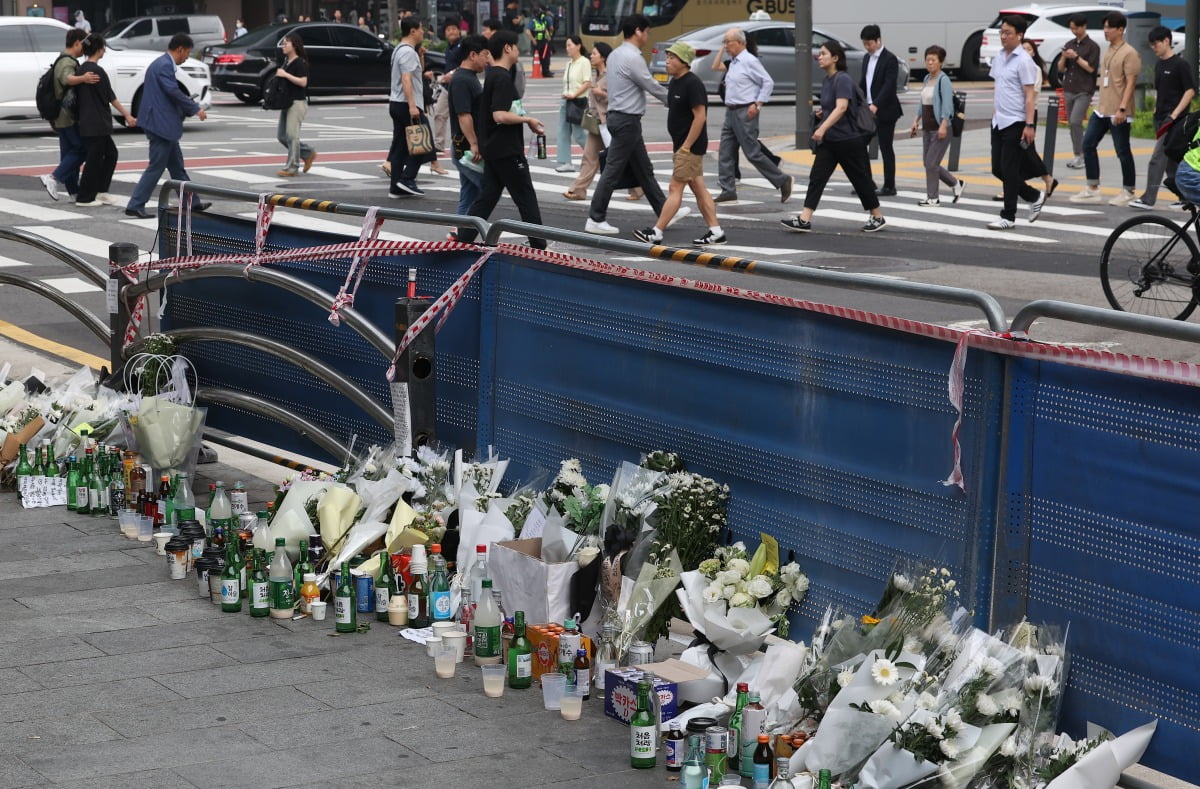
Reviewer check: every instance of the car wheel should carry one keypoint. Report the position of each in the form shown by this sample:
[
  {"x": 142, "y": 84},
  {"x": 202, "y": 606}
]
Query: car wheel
[
  {"x": 1055, "y": 78},
  {"x": 247, "y": 97},
  {"x": 969, "y": 68}
]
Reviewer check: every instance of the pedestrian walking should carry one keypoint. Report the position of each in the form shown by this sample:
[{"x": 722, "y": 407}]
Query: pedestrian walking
[
  {"x": 880, "y": 73},
  {"x": 1077, "y": 68},
  {"x": 937, "y": 108},
  {"x": 160, "y": 116},
  {"x": 71, "y": 151},
  {"x": 589, "y": 164},
  {"x": 502, "y": 142},
  {"x": 493, "y": 25},
  {"x": 1119, "y": 69},
  {"x": 465, "y": 94},
  {"x": 95, "y": 127},
  {"x": 452, "y": 34},
  {"x": 629, "y": 81},
  {"x": 838, "y": 141},
  {"x": 748, "y": 86},
  {"x": 406, "y": 104},
  {"x": 1174, "y": 89},
  {"x": 81, "y": 22},
  {"x": 1016, "y": 78},
  {"x": 295, "y": 73},
  {"x": 687, "y": 116},
  {"x": 577, "y": 82}
]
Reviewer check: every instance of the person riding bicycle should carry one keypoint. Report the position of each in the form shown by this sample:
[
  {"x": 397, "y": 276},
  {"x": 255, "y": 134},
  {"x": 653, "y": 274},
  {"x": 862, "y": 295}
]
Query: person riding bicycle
[{"x": 1187, "y": 177}]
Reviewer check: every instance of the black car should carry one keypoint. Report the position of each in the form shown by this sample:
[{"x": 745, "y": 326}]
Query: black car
[{"x": 343, "y": 60}]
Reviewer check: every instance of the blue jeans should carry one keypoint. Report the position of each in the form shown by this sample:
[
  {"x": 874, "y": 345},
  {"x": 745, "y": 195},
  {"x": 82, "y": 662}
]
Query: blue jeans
[
  {"x": 470, "y": 185},
  {"x": 1096, "y": 129},
  {"x": 1188, "y": 181},
  {"x": 567, "y": 133},
  {"x": 164, "y": 155},
  {"x": 71, "y": 153}
]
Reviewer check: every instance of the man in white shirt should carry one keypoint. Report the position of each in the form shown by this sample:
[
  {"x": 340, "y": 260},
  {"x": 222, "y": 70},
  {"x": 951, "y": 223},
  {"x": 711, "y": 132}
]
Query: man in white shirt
[{"x": 1017, "y": 79}]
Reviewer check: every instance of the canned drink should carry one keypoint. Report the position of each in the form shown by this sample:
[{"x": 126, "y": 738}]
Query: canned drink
[
  {"x": 541, "y": 146},
  {"x": 641, "y": 652},
  {"x": 716, "y": 752},
  {"x": 364, "y": 594}
]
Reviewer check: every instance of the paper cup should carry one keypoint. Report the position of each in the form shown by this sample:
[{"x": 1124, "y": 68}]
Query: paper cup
[
  {"x": 440, "y": 629},
  {"x": 458, "y": 640},
  {"x": 432, "y": 643},
  {"x": 317, "y": 609}
]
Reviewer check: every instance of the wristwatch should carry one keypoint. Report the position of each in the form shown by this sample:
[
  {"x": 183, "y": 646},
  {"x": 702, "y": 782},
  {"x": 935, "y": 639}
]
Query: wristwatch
[
  {"x": 1030, "y": 125},
  {"x": 1122, "y": 109}
]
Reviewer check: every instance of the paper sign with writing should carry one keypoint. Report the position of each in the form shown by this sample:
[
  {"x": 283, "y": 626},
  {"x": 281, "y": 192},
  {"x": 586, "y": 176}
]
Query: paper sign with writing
[
  {"x": 42, "y": 491},
  {"x": 535, "y": 524}
]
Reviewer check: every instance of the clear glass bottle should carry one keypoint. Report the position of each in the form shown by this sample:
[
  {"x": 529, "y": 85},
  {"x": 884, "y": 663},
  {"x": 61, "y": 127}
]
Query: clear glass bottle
[
  {"x": 487, "y": 629},
  {"x": 385, "y": 588},
  {"x": 694, "y": 774},
  {"x": 439, "y": 588},
  {"x": 783, "y": 774},
  {"x": 479, "y": 571},
  {"x": 466, "y": 618},
  {"x": 231, "y": 590},
  {"x": 184, "y": 503},
  {"x": 754, "y": 716},
  {"x": 219, "y": 512},
  {"x": 606, "y": 655},
  {"x": 418, "y": 597}
]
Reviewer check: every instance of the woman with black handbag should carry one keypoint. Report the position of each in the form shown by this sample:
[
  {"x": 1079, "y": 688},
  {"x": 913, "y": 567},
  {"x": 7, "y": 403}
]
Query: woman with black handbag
[
  {"x": 294, "y": 76},
  {"x": 577, "y": 81}
]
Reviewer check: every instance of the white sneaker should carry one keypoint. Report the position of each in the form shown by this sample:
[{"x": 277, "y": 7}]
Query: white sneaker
[
  {"x": 680, "y": 214},
  {"x": 1002, "y": 224},
  {"x": 1035, "y": 208},
  {"x": 1076, "y": 163},
  {"x": 959, "y": 188},
  {"x": 929, "y": 202},
  {"x": 1142, "y": 205},
  {"x": 51, "y": 185},
  {"x": 564, "y": 168},
  {"x": 107, "y": 199},
  {"x": 1088, "y": 194},
  {"x": 600, "y": 228},
  {"x": 1124, "y": 198},
  {"x": 91, "y": 204}
]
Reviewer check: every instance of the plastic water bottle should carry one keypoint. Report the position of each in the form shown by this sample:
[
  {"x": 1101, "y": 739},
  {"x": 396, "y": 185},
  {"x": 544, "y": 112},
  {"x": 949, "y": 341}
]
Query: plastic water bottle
[{"x": 479, "y": 571}]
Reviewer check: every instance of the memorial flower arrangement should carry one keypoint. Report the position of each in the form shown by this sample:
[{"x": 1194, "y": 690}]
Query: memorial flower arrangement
[{"x": 739, "y": 581}]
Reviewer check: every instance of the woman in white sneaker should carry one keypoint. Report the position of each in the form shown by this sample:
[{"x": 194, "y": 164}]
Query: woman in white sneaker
[
  {"x": 95, "y": 126},
  {"x": 577, "y": 81},
  {"x": 937, "y": 108},
  {"x": 838, "y": 141}
]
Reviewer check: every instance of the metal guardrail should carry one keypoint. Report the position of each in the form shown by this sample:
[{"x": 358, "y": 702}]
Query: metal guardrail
[
  {"x": 300, "y": 425},
  {"x": 1098, "y": 316},
  {"x": 95, "y": 275},
  {"x": 89, "y": 321}
]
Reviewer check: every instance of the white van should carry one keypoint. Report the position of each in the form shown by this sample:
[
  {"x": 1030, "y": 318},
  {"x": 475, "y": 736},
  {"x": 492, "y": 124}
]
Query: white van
[{"x": 153, "y": 32}]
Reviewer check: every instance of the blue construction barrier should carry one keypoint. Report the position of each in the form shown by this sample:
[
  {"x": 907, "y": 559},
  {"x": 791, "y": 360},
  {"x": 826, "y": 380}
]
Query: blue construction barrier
[{"x": 833, "y": 435}]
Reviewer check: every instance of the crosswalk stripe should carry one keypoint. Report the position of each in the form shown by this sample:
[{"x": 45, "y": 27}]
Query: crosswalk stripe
[
  {"x": 339, "y": 175},
  {"x": 10, "y": 263},
  {"x": 76, "y": 242},
  {"x": 308, "y": 222},
  {"x": 241, "y": 176},
  {"x": 1050, "y": 208},
  {"x": 37, "y": 211},
  {"x": 981, "y": 231},
  {"x": 70, "y": 285}
]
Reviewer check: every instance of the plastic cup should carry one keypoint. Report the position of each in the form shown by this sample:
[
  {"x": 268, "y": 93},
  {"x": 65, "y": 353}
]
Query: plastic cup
[
  {"x": 493, "y": 681},
  {"x": 432, "y": 643},
  {"x": 444, "y": 662},
  {"x": 145, "y": 530},
  {"x": 127, "y": 519},
  {"x": 317, "y": 609},
  {"x": 571, "y": 706},
  {"x": 554, "y": 686},
  {"x": 458, "y": 640},
  {"x": 161, "y": 539}
]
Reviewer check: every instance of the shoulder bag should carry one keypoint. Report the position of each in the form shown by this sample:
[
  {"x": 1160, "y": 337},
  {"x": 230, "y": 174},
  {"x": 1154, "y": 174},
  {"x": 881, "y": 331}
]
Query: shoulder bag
[
  {"x": 419, "y": 138},
  {"x": 276, "y": 95}
]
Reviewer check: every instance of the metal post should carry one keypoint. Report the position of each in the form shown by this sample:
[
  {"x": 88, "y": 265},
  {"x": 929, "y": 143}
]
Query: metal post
[
  {"x": 120, "y": 254},
  {"x": 415, "y": 373},
  {"x": 804, "y": 74},
  {"x": 1052, "y": 105},
  {"x": 956, "y": 139}
]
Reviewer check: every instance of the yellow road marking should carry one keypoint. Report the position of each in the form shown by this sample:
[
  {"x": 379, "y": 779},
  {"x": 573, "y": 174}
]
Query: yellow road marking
[{"x": 51, "y": 347}]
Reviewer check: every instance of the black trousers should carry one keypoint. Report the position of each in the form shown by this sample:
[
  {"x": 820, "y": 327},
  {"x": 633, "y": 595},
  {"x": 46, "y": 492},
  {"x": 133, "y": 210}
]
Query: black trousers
[
  {"x": 542, "y": 48},
  {"x": 404, "y": 166},
  {"x": 852, "y": 156},
  {"x": 511, "y": 173},
  {"x": 886, "y": 133},
  {"x": 98, "y": 167},
  {"x": 1010, "y": 164}
]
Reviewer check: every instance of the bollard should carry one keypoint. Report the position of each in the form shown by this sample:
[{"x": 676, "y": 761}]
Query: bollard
[
  {"x": 414, "y": 396},
  {"x": 121, "y": 253},
  {"x": 956, "y": 126},
  {"x": 1052, "y": 105}
]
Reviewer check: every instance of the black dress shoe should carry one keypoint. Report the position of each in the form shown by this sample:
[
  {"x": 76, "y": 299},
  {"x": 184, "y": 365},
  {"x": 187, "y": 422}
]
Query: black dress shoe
[
  {"x": 201, "y": 205},
  {"x": 886, "y": 191},
  {"x": 725, "y": 197},
  {"x": 138, "y": 214}
]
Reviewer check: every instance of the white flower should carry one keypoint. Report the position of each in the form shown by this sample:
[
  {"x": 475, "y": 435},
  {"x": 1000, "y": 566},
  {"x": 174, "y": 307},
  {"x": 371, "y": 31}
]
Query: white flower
[
  {"x": 712, "y": 593},
  {"x": 1009, "y": 746},
  {"x": 741, "y": 600},
  {"x": 729, "y": 591},
  {"x": 759, "y": 586},
  {"x": 992, "y": 667},
  {"x": 911, "y": 644},
  {"x": 886, "y": 709},
  {"x": 729, "y": 577},
  {"x": 800, "y": 586},
  {"x": 986, "y": 705},
  {"x": 601, "y": 492},
  {"x": 926, "y": 701},
  {"x": 844, "y": 678},
  {"x": 738, "y": 546},
  {"x": 949, "y": 587},
  {"x": 709, "y": 567},
  {"x": 884, "y": 672},
  {"x": 784, "y": 598},
  {"x": 902, "y": 583},
  {"x": 933, "y": 727},
  {"x": 1038, "y": 685},
  {"x": 949, "y": 748},
  {"x": 740, "y": 566},
  {"x": 953, "y": 720}
]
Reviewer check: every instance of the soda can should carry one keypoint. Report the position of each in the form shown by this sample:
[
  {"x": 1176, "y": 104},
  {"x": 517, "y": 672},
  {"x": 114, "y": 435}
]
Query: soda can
[
  {"x": 641, "y": 652},
  {"x": 541, "y": 146},
  {"x": 364, "y": 594},
  {"x": 716, "y": 751}
]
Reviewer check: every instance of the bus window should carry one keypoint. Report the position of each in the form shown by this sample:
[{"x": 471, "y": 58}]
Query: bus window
[{"x": 601, "y": 18}]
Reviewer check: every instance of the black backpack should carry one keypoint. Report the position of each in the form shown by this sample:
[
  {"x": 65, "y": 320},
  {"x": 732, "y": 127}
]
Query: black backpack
[
  {"x": 49, "y": 104},
  {"x": 1181, "y": 137}
]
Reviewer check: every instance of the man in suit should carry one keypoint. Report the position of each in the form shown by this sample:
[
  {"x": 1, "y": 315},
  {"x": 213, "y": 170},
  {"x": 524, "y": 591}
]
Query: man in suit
[
  {"x": 880, "y": 72},
  {"x": 160, "y": 115}
]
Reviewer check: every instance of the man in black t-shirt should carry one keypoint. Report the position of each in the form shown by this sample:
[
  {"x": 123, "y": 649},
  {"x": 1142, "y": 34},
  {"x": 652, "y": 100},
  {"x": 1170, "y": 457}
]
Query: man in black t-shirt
[
  {"x": 465, "y": 94},
  {"x": 687, "y": 116},
  {"x": 502, "y": 142},
  {"x": 1175, "y": 88}
]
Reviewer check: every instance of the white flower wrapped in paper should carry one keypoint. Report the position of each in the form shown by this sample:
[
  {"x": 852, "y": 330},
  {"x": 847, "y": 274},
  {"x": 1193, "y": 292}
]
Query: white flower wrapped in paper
[
  {"x": 649, "y": 591},
  {"x": 335, "y": 513},
  {"x": 1103, "y": 765},
  {"x": 736, "y": 630},
  {"x": 166, "y": 431}
]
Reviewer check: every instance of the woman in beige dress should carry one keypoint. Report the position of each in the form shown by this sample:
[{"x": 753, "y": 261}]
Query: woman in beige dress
[{"x": 597, "y": 103}]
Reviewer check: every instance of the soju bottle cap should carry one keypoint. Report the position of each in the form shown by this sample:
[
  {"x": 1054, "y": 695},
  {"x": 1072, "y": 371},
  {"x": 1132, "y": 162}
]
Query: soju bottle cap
[{"x": 310, "y": 577}]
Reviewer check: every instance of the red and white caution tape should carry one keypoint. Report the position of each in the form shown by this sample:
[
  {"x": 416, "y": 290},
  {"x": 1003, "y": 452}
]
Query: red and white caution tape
[{"x": 358, "y": 267}]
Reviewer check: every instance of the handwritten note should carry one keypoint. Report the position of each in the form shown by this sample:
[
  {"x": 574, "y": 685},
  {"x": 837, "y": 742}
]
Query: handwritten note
[
  {"x": 42, "y": 491},
  {"x": 535, "y": 524}
]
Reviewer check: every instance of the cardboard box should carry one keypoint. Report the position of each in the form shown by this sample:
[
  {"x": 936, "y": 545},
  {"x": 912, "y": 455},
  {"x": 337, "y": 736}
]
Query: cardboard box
[
  {"x": 13, "y": 441},
  {"x": 540, "y": 589},
  {"x": 620, "y": 694},
  {"x": 545, "y": 649}
]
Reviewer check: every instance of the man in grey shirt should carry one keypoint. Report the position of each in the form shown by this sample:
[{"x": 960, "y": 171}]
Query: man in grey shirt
[
  {"x": 406, "y": 106},
  {"x": 1077, "y": 68},
  {"x": 748, "y": 86},
  {"x": 628, "y": 82}
]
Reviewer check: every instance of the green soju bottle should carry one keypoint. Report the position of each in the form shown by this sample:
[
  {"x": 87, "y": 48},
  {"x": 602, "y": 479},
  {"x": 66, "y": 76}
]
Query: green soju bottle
[
  {"x": 642, "y": 731},
  {"x": 96, "y": 491},
  {"x": 231, "y": 581},
  {"x": 260, "y": 596},
  {"x": 24, "y": 469},
  {"x": 72, "y": 484},
  {"x": 735, "y": 724},
  {"x": 303, "y": 565},
  {"x": 81, "y": 485},
  {"x": 345, "y": 615},
  {"x": 386, "y": 587},
  {"x": 520, "y": 655},
  {"x": 39, "y": 465}
]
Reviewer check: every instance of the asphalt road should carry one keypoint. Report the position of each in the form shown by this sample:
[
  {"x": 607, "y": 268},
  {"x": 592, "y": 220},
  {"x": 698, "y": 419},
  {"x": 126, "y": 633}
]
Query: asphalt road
[{"x": 1057, "y": 258}]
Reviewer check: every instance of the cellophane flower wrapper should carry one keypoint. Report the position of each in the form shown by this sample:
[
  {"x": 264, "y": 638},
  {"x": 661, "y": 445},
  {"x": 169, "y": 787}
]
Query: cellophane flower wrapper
[
  {"x": 559, "y": 543},
  {"x": 962, "y": 770},
  {"x": 481, "y": 528},
  {"x": 484, "y": 477},
  {"x": 984, "y": 680},
  {"x": 293, "y": 527},
  {"x": 166, "y": 431},
  {"x": 1102, "y": 765},
  {"x": 738, "y": 631},
  {"x": 631, "y": 494},
  {"x": 893, "y": 767},
  {"x": 335, "y": 514},
  {"x": 295, "y": 499},
  {"x": 654, "y": 584},
  {"x": 359, "y": 536},
  {"x": 11, "y": 394}
]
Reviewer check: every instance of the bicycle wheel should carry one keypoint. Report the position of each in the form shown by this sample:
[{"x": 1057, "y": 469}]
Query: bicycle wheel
[{"x": 1147, "y": 267}]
